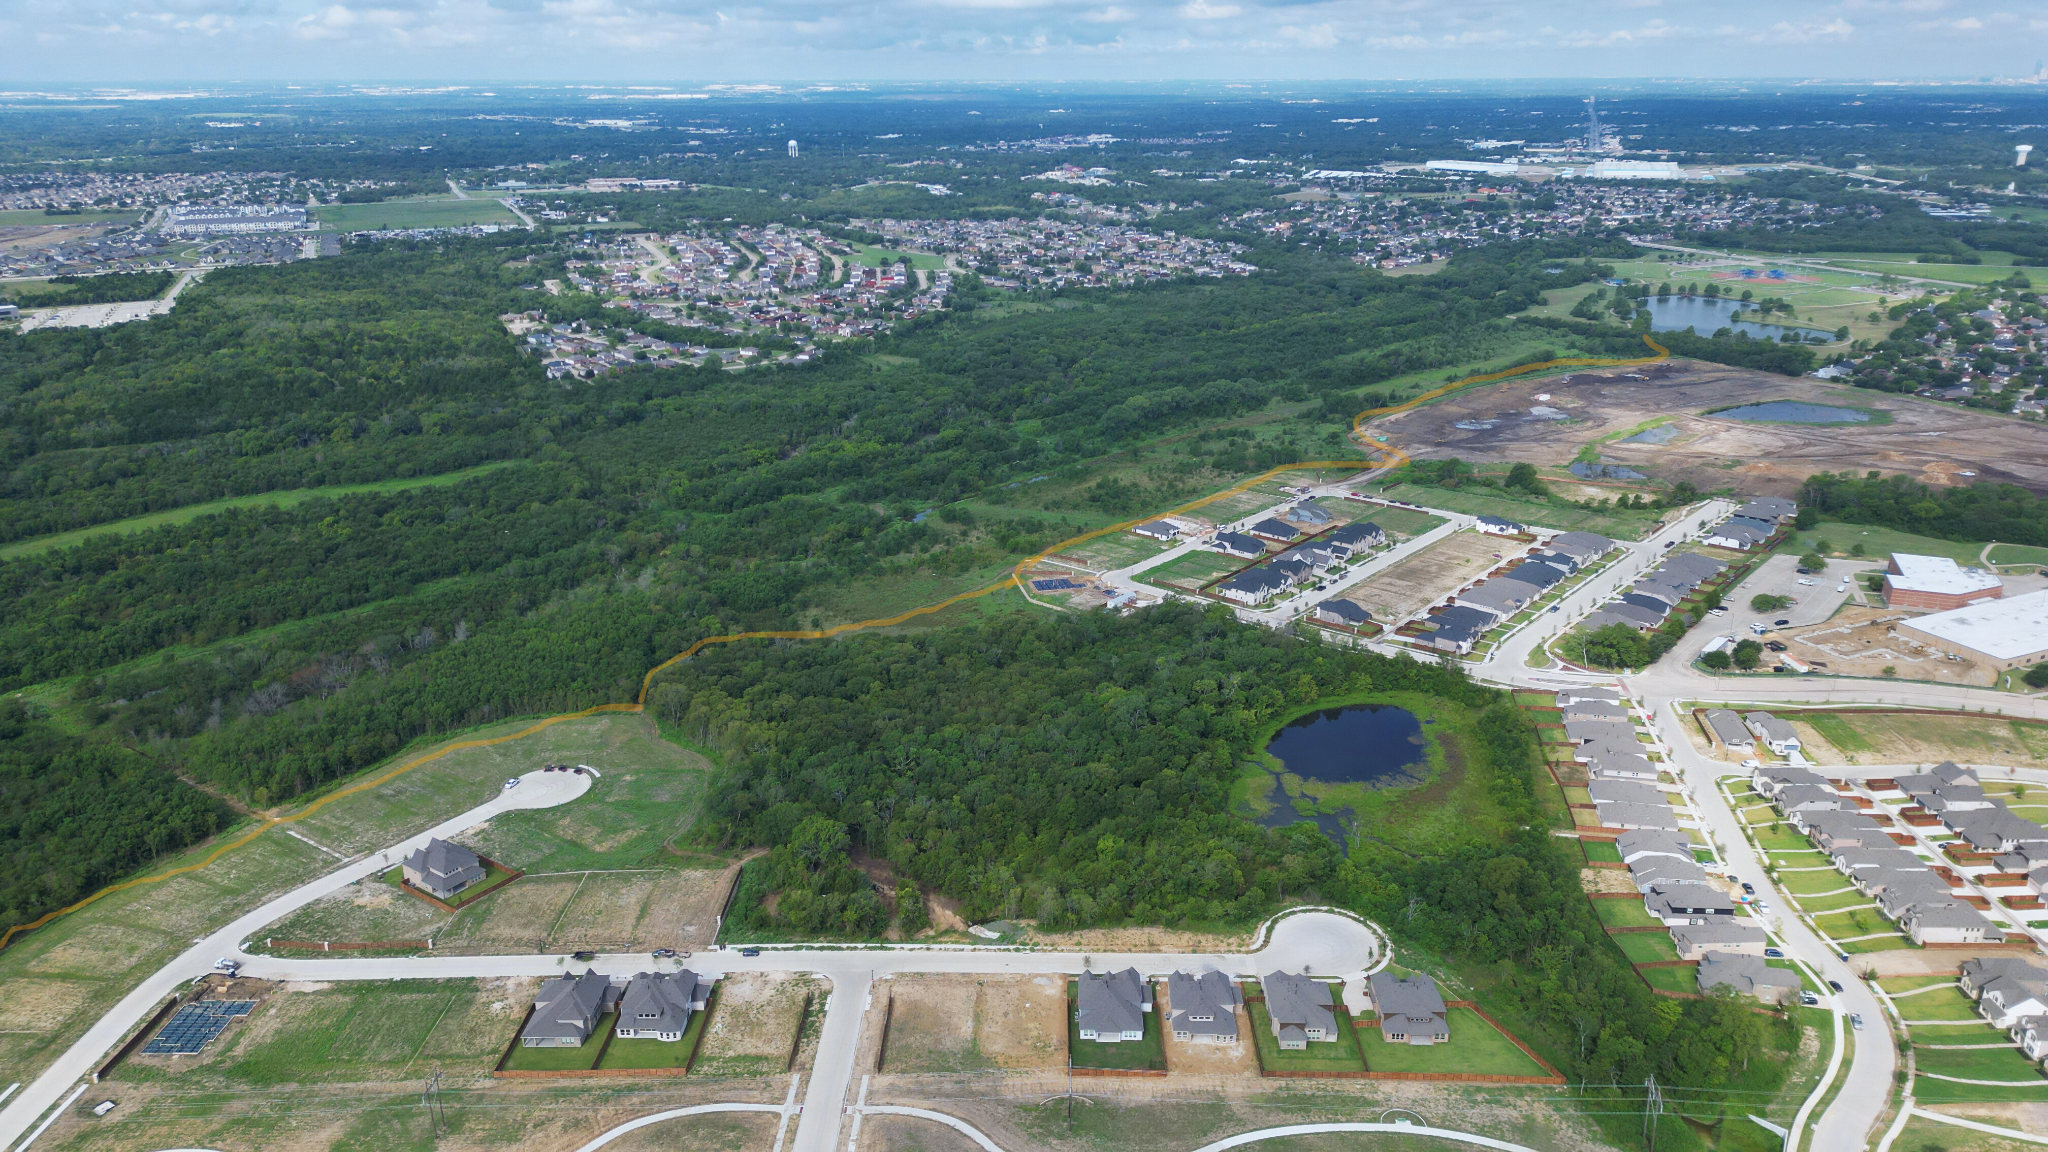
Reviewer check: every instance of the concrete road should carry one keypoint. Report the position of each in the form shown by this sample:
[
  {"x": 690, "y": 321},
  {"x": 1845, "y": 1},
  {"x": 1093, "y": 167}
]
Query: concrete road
[{"x": 535, "y": 790}]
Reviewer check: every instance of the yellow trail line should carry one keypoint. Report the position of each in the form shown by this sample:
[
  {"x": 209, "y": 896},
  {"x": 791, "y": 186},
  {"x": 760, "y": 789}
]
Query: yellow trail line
[{"x": 1384, "y": 457}]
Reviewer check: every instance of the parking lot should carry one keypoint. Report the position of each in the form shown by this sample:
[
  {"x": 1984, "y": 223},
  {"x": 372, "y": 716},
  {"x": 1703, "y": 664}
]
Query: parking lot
[{"x": 1779, "y": 576}]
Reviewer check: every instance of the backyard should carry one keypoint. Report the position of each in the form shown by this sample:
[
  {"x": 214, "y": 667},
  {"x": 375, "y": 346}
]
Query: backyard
[
  {"x": 1340, "y": 1055},
  {"x": 1127, "y": 1055},
  {"x": 1475, "y": 1047}
]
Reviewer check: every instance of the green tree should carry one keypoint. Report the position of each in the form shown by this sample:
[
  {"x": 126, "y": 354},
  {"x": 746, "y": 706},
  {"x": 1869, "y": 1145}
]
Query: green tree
[
  {"x": 1747, "y": 654},
  {"x": 1717, "y": 660},
  {"x": 1814, "y": 561},
  {"x": 1766, "y": 602},
  {"x": 2037, "y": 676},
  {"x": 912, "y": 916},
  {"x": 1807, "y": 518},
  {"x": 1523, "y": 476}
]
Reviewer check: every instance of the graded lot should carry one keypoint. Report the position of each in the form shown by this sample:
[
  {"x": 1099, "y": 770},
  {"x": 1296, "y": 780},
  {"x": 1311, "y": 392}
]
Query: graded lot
[
  {"x": 753, "y": 1023},
  {"x": 975, "y": 1023},
  {"x": 1427, "y": 577}
]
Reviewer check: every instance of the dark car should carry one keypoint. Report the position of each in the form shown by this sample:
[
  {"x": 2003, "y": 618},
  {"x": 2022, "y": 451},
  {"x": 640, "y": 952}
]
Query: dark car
[
  {"x": 1835, "y": 984},
  {"x": 1780, "y": 623},
  {"x": 1775, "y": 646},
  {"x": 750, "y": 951},
  {"x": 1774, "y": 954},
  {"x": 582, "y": 955},
  {"x": 664, "y": 953},
  {"x": 1749, "y": 889}
]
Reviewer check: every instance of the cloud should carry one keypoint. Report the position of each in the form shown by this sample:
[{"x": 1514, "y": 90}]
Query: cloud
[
  {"x": 1109, "y": 15},
  {"x": 1203, "y": 10},
  {"x": 1618, "y": 37},
  {"x": 1399, "y": 43}
]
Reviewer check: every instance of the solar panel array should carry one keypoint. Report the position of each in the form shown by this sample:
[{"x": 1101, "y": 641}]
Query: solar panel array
[
  {"x": 194, "y": 1025},
  {"x": 1060, "y": 584}
]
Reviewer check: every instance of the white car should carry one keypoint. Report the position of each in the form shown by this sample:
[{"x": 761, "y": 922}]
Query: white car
[
  {"x": 1808, "y": 581},
  {"x": 226, "y": 965},
  {"x": 512, "y": 783},
  {"x": 1752, "y": 765}
]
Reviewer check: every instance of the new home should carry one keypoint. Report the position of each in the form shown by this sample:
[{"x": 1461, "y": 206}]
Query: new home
[
  {"x": 1110, "y": 1007},
  {"x": 1411, "y": 1009}
]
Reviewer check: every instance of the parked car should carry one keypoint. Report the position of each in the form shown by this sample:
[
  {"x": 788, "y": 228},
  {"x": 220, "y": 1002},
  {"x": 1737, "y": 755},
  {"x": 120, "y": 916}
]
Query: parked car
[
  {"x": 1780, "y": 623},
  {"x": 228, "y": 966},
  {"x": 1752, "y": 764},
  {"x": 750, "y": 951},
  {"x": 1835, "y": 984},
  {"x": 664, "y": 953},
  {"x": 1809, "y": 999},
  {"x": 1718, "y": 610},
  {"x": 1774, "y": 953},
  {"x": 1774, "y": 645},
  {"x": 582, "y": 955},
  {"x": 1749, "y": 888},
  {"x": 1553, "y": 607},
  {"x": 512, "y": 783},
  {"x": 1762, "y": 909},
  {"x": 1842, "y": 956},
  {"x": 1808, "y": 582}
]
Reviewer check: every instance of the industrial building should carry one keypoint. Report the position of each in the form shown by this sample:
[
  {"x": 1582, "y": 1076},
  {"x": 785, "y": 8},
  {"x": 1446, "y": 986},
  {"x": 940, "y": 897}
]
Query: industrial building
[
  {"x": 2006, "y": 634},
  {"x": 1936, "y": 583}
]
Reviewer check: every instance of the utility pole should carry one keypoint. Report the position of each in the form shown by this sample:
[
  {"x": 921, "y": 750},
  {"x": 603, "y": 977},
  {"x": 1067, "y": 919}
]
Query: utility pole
[{"x": 1653, "y": 1109}]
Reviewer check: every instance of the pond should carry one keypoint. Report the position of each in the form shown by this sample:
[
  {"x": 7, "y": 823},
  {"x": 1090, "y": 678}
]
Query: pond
[
  {"x": 1705, "y": 317},
  {"x": 1372, "y": 744},
  {"x": 1794, "y": 412}
]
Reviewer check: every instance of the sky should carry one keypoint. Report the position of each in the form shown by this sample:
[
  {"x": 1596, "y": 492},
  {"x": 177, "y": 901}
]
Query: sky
[{"x": 693, "y": 42}]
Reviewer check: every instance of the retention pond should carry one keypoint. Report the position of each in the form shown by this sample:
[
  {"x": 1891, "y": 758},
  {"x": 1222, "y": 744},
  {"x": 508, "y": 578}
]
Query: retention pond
[{"x": 1377, "y": 745}]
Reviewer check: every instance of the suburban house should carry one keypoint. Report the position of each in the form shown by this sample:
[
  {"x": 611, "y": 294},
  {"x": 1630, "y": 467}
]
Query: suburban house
[
  {"x": 1771, "y": 779},
  {"x": 442, "y": 869},
  {"x": 1581, "y": 546},
  {"x": 1769, "y": 508},
  {"x": 1202, "y": 1007},
  {"x": 2005, "y": 1000},
  {"x": 1728, "y": 728},
  {"x": 1803, "y": 800},
  {"x": 1948, "y": 786},
  {"x": 657, "y": 1005},
  {"x": 1538, "y": 573},
  {"x": 1158, "y": 530},
  {"x": 2031, "y": 1034},
  {"x": 1458, "y": 628},
  {"x": 1650, "y": 871},
  {"x": 1110, "y": 1007},
  {"x": 1500, "y": 598},
  {"x": 567, "y": 1010},
  {"x": 1748, "y": 976},
  {"x": 1309, "y": 512},
  {"x": 1734, "y": 534},
  {"x": 1273, "y": 529},
  {"x": 1299, "y": 1008},
  {"x": 1239, "y": 545},
  {"x": 1640, "y": 619},
  {"x": 1495, "y": 526},
  {"x": 1357, "y": 537},
  {"x": 1624, "y": 815},
  {"x": 1587, "y": 695},
  {"x": 1681, "y": 904},
  {"x": 1950, "y": 923},
  {"x": 1612, "y": 732},
  {"x": 1411, "y": 1009},
  {"x": 1981, "y": 970},
  {"x": 1316, "y": 554},
  {"x": 1595, "y": 710},
  {"x": 1256, "y": 585},
  {"x": 1342, "y": 612},
  {"x": 1994, "y": 829},
  {"x": 1725, "y": 935},
  {"x": 1619, "y": 766},
  {"x": 1559, "y": 560},
  {"x": 1654, "y": 596},
  {"x": 1626, "y": 792},
  {"x": 1776, "y": 734},
  {"x": 1635, "y": 846}
]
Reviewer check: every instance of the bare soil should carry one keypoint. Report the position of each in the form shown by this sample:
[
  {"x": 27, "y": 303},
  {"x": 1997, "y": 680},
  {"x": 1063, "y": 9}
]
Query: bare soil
[
  {"x": 1925, "y": 440},
  {"x": 1428, "y": 576},
  {"x": 1863, "y": 642},
  {"x": 1605, "y": 880},
  {"x": 754, "y": 1023},
  {"x": 911, "y": 1134},
  {"x": 975, "y": 1023}
]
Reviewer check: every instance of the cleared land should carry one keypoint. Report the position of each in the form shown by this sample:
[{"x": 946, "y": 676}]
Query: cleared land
[
  {"x": 753, "y": 1024},
  {"x": 1428, "y": 576},
  {"x": 1190, "y": 572},
  {"x": 975, "y": 1023},
  {"x": 1893, "y": 738},
  {"x": 1928, "y": 441}
]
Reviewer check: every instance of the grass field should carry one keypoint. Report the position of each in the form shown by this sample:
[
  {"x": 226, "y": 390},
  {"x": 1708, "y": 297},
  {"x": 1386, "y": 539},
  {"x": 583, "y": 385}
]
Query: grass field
[
  {"x": 1811, "y": 883},
  {"x": 1628, "y": 913},
  {"x": 1601, "y": 852},
  {"x": 1475, "y": 1047},
  {"x": 2018, "y": 554},
  {"x": 1877, "y": 542},
  {"x": 878, "y": 597},
  {"x": 1339, "y": 1055},
  {"x": 1861, "y": 922},
  {"x": 1645, "y": 947},
  {"x": 1399, "y": 521},
  {"x": 1836, "y": 903},
  {"x": 1892, "y": 738},
  {"x": 1124, "y": 1054},
  {"x": 870, "y": 256},
  {"x": 285, "y": 499},
  {"x": 1685, "y": 979},
  {"x": 1898, "y": 984},
  {"x": 1495, "y": 502},
  {"x": 1947, "y": 1004},
  {"x": 1191, "y": 571},
  {"x": 1978, "y": 1064},
  {"x": 1838, "y": 732},
  {"x": 1954, "y": 1033},
  {"x": 425, "y": 212},
  {"x": 1781, "y": 838}
]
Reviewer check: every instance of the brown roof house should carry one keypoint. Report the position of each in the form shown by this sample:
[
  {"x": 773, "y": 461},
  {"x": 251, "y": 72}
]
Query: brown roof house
[
  {"x": 442, "y": 869},
  {"x": 1411, "y": 1010}
]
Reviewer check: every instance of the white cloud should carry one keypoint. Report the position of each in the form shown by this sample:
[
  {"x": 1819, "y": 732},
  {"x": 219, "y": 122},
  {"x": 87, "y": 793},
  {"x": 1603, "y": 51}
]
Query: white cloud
[
  {"x": 1109, "y": 15},
  {"x": 1618, "y": 37},
  {"x": 1203, "y": 10}
]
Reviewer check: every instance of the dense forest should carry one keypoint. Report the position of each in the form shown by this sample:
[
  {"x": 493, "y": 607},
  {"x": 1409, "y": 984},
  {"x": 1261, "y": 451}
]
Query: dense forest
[{"x": 1982, "y": 511}]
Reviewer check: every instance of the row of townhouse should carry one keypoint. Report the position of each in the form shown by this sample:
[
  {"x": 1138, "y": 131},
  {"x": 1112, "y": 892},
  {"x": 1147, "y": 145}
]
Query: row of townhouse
[
  {"x": 1646, "y": 604},
  {"x": 1300, "y": 564},
  {"x": 1702, "y": 918},
  {"x": 1917, "y": 894},
  {"x": 1478, "y": 608},
  {"x": 1752, "y": 524}
]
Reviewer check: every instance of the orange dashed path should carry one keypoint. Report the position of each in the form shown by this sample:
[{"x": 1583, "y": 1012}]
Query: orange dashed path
[{"x": 1381, "y": 457}]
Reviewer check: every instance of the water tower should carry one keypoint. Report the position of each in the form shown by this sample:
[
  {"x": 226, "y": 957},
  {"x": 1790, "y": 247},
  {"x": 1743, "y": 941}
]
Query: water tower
[
  {"x": 792, "y": 149},
  {"x": 2019, "y": 154}
]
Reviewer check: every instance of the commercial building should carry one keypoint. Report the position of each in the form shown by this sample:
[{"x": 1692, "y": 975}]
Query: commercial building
[
  {"x": 1936, "y": 583},
  {"x": 201, "y": 219},
  {"x": 2005, "y": 634}
]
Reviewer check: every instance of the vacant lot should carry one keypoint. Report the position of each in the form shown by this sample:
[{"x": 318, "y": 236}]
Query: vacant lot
[
  {"x": 436, "y": 212},
  {"x": 1896, "y": 738},
  {"x": 975, "y": 1023},
  {"x": 1190, "y": 572},
  {"x": 1863, "y": 642},
  {"x": 1404, "y": 523},
  {"x": 1481, "y": 501},
  {"x": 1116, "y": 550},
  {"x": 754, "y": 1023},
  {"x": 1927, "y": 441},
  {"x": 1428, "y": 576}
]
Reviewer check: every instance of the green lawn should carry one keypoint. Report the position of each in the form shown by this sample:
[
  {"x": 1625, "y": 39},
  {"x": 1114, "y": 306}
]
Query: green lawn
[
  {"x": 1626, "y": 913},
  {"x": 1978, "y": 1063},
  {"x": 1930, "y": 1091},
  {"x": 1898, "y": 984},
  {"x": 284, "y": 499},
  {"x": 656, "y": 1053},
  {"x": 1191, "y": 571},
  {"x": 1397, "y": 521},
  {"x": 1672, "y": 979},
  {"x": 1949, "y": 1004},
  {"x": 1496, "y": 502},
  {"x": 31, "y": 217},
  {"x": 1601, "y": 851},
  {"x": 1877, "y": 542},
  {"x": 1645, "y": 947},
  {"x": 649, "y": 792},
  {"x": 1878, "y": 944},
  {"x": 1861, "y": 922},
  {"x": 1781, "y": 838},
  {"x": 870, "y": 256},
  {"x": 1339, "y": 1055},
  {"x": 1954, "y": 1033},
  {"x": 2018, "y": 554},
  {"x": 427, "y": 212},
  {"x": 1811, "y": 883},
  {"x": 1149, "y": 1053},
  {"x": 1818, "y": 905},
  {"x": 1475, "y": 1047},
  {"x": 1837, "y": 731},
  {"x": 526, "y": 1059}
]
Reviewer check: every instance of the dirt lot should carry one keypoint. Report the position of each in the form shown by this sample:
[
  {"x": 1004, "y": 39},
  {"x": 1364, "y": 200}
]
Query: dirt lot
[
  {"x": 1861, "y": 642},
  {"x": 1928, "y": 441},
  {"x": 1202, "y": 1057},
  {"x": 1428, "y": 576},
  {"x": 911, "y": 1134},
  {"x": 976, "y": 1023},
  {"x": 754, "y": 1023},
  {"x": 1889, "y": 738}
]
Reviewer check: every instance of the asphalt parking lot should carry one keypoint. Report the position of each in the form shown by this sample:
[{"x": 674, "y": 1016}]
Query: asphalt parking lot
[{"x": 1779, "y": 576}]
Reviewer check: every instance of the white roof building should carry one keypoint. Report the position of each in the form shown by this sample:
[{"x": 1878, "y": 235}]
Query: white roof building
[
  {"x": 2010, "y": 633},
  {"x": 1939, "y": 576}
]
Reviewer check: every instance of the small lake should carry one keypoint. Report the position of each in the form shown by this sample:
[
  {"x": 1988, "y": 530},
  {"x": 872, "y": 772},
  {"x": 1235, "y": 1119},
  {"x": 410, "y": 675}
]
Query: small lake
[
  {"x": 1794, "y": 412},
  {"x": 1372, "y": 744},
  {"x": 1705, "y": 317}
]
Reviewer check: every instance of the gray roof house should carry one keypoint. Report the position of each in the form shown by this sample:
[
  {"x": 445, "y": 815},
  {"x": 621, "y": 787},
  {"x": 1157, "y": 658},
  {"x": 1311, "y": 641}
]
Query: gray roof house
[
  {"x": 1496, "y": 526},
  {"x": 1503, "y": 597},
  {"x": 1937, "y": 795},
  {"x": 1356, "y": 536},
  {"x": 1652, "y": 871},
  {"x": 442, "y": 868},
  {"x": 1202, "y": 1007},
  {"x": 1595, "y": 710},
  {"x": 1158, "y": 529},
  {"x": 1299, "y": 1009},
  {"x": 1238, "y": 544},
  {"x": 1537, "y": 572},
  {"x": 1678, "y": 904},
  {"x": 657, "y": 1005},
  {"x": 1950, "y": 923},
  {"x": 1769, "y": 508},
  {"x": 1730, "y": 534},
  {"x": 1626, "y": 792},
  {"x": 1604, "y": 764},
  {"x": 1624, "y": 815},
  {"x": 2006, "y": 999},
  {"x": 567, "y": 1010},
  {"x": 1578, "y": 695},
  {"x": 1458, "y": 628},
  {"x": 1641, "y": 619},
  {"x": 1110, "y": 1007},
  {"x": 1994, "y": 829},
  {"x": 1645, "y": 842},
  {"x": 1776, "y": 733},
  {"x": 1718, "y": 934},
  {"x": 1411, "y": 1010},
  {"x": 1612, "y": 731},
  {"x": 1981, "y": 970},
  {"x": 1309, "y": 512},
  {"x": 1771, "y": 779},
  {"x": 1728, "y": 728},
  {"x": 1342, "y": 612},
  {"x": 1273, "y": 529},
  {"x": 1582, "y": 546},
  {"x": 1255, "y": 585},
  {"x": 1662, "y": 596},
  {"x": 1748, "y": 976},
  {"x": 1615, "y": 752}
]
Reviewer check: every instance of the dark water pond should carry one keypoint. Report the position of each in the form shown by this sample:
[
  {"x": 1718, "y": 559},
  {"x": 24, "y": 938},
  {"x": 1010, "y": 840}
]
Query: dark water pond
[
  {"x": 1794, "y": 412},
  {"x": 1705, "y": 317},
  {"x": 1362, "y": 744}
]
